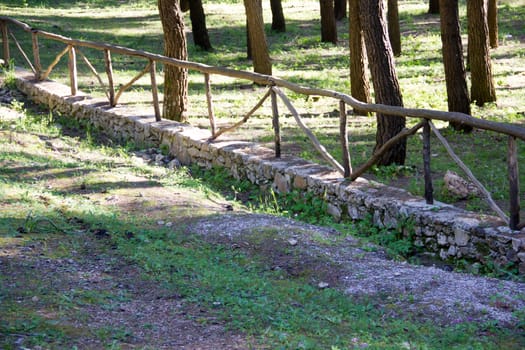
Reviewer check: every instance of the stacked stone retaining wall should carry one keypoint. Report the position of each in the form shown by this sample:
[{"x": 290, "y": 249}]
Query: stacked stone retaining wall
[{"x": 445, "y": 230}]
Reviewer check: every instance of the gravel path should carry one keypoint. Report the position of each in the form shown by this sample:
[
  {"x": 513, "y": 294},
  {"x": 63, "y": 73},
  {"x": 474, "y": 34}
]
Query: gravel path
[{"x": 421, "y": 292}]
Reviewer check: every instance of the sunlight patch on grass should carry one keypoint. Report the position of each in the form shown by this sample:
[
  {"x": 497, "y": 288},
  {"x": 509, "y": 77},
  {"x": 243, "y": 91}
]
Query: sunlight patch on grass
[{"x": 297, "y": 55}]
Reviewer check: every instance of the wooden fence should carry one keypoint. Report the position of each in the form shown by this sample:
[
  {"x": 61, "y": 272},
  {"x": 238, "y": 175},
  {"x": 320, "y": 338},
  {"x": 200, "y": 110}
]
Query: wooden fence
[{"x": 275, "y": 90}]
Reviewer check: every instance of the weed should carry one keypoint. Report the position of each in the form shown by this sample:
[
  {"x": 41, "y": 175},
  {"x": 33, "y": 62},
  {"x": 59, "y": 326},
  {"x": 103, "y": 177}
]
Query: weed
[
  {"x": 165, "y": 149},
  {"x": 385, "y": 173},
  {"x": 34, "y": 224},
  {"x": 9, "y": 77},
  {"x": 304, "y": 206},
  {"x": 398, "y": 241}
]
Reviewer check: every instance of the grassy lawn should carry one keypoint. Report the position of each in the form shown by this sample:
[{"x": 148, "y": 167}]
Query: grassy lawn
[{"x": 299, "y": 56}]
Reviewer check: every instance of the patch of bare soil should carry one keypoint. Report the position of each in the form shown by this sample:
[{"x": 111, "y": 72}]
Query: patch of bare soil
[{"x": 137, "y": 313}]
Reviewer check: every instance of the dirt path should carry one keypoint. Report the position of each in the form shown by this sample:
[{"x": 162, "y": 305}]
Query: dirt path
[
  {"x": 78, "y": 281},
  {"x": 103, "y": 299},
  {"x": 363, "y": 271}
]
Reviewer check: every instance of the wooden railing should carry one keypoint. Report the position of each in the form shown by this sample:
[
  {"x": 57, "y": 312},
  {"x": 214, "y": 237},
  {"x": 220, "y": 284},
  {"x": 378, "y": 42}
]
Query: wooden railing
[{"x": 275, "y": 90}]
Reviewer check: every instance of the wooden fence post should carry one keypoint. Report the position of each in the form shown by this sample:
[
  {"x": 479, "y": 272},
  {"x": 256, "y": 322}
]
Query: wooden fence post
[
  {"x": 343, "y": 132},
  {"x": 5, "y": 42},
  {"x": 73, "y": 70},
  {"x": 211, "y": 115},
  {"x": 36, "y": 56},
  {"x": 154, "y": 89},
  {"x": 429, "y": 189},
  {"x": 514, "y": 184},
  {"x": 109, "y": 72},
  {"x": 275, "y": 123}
]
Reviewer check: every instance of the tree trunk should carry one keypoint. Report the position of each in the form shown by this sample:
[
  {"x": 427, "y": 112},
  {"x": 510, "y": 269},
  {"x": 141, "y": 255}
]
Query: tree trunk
[
  {"x": 184, "y": 5},
  {"x": 257, "y": 37},
  {"x": 328, "y": 25},
  {"x": 433, "y": 7},
  {"x": 278, "y": 21},
  {"x": 248, "y": 41},
  {"x": 394, "y": 33},
  {"x": 482, "y": 89},
  {"x": 359, "y": 84},
  {"x": 455, "y": 75},
  {"x": 175, "y": 79},
  {"x": 198, "y": 25},
  {"x": 384, "y": 78},
  {"x": 493, "y": 23},
  {"x": 339, "y": 9}
]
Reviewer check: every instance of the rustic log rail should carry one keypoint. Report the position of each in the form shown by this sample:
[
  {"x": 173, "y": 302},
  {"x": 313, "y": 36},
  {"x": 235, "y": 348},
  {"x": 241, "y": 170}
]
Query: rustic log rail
[{"x": 275, "y": 85}]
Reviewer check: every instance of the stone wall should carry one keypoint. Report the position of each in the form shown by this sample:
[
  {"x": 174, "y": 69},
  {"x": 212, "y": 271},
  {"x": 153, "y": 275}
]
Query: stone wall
[{"x": 445, "y": 230}]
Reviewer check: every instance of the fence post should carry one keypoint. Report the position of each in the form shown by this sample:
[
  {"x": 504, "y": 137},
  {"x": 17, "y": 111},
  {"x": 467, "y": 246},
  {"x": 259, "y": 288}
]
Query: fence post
[
  {"x": 514, "y": 184},
  {"x": 36, "y": 55},
  {"x": 275, "y": 124},
  {"x": 211, "y": 115},
  {"x": 5, "y": 42},
  {"x": 73, "y": 70},
  {"x": 429, "y": 190},
  {"x": 109, "y": 72},
  {"x": 154, "y": 90},
  {"x": 343, "y": 133}
]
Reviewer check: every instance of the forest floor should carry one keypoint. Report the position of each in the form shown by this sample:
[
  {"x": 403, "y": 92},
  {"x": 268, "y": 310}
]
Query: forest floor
[{"x": 66, "y": 281}]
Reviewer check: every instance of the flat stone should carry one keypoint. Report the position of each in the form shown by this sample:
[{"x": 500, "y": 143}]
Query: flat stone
[
  {"x": 300, "y": 182},
  {"x": 517, "y": 244},
  {"x": 334, "y": 211},
  {"x": 442, "y": 239},
  {"x": 461, "y": 237},
  {"x": 323, "y": 285},
  {"x": 292, "y": 241},
  {"x": 282, "y": 182}
]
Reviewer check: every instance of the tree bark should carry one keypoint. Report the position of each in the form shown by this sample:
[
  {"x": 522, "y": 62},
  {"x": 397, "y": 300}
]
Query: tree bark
[
  {"x": 394, "y": 32},
  {"x": 433, "y": 7},
  {"x": 482, "y": 89},
  {"x": 257, "y": 38},
  {"x": 493, "y": 23},
  {"x": 248, "y": 41},
  {"x": 278, "y": 21},
  {"x": 328, "y": 24},
  {"x": 384, "y": 79},
  {"x": 455, "y": 75},
  {"x": 198, "y": 25},
  {"x": 339, "y": 9},
  {"x": 184, "y": 5},
  {"x": 359, "y": 84},
  {"x": 175, "y": 79}
]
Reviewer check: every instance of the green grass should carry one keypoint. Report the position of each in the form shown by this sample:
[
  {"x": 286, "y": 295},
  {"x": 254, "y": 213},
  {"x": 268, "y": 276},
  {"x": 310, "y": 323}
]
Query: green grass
[
  {"x": 227, "y": 285},
  {"x": 299, "y": 56},
  {"x": 289, "y": 313},
  {"x": 283, "y": 312}
]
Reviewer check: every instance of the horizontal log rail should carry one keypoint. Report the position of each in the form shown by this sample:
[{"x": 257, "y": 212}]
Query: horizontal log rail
[
  {"x": 262, "y": 79},
  {"x": 275, "y": 85}
]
